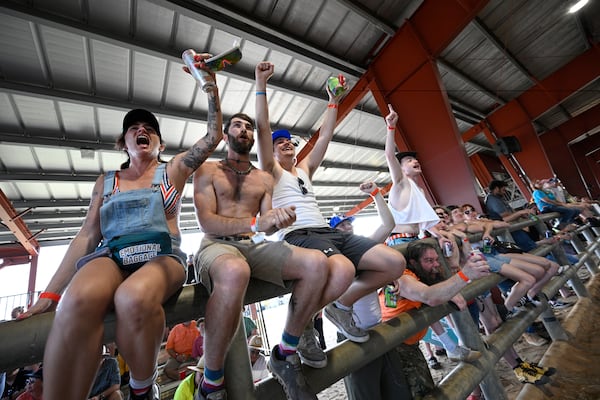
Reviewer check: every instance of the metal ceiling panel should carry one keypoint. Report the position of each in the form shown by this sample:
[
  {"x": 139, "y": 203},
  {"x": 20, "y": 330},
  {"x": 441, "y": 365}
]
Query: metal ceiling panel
[{"x": 111, "y": 69}]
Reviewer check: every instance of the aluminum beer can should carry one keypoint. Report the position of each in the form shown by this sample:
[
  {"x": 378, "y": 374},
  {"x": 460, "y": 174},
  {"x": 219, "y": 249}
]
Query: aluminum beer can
[
  {"x": 391, "y": 300},
  {"x": 447, "y": 249},
  {"x": 487, "y": 246},
  {"x": 337, "y": 84},
  {"x": 204, "y": 79},
  {"x": 548, "y": 234}
]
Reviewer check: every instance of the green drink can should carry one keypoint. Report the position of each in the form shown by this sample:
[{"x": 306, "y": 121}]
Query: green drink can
[
  {"x": 391, "y": 300},
  {"x": 337, "y": 84}
]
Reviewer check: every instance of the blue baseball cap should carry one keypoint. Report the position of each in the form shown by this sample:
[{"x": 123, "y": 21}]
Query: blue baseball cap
[
  {"x": 337, "y": 219},
  {"x": 281, "y": 133}
]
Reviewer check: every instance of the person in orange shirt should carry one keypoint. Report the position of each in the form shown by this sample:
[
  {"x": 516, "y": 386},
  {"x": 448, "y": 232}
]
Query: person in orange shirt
[
  {"x": 414, "y": 288},
  {"x": 179, "y": 346}
]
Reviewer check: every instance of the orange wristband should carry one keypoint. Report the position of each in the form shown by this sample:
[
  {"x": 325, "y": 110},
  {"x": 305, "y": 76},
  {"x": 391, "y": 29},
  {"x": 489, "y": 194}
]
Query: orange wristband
[
  {"x": 332, "y": 106},
  {"x": 462, "y": 276},
  {"x": 49, "y": 295},
  {"x": 374, "y": 192}
]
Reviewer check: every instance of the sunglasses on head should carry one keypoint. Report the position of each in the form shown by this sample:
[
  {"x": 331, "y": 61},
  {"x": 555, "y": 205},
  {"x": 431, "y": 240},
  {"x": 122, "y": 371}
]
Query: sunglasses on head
[{"x": 301, "y": 185}]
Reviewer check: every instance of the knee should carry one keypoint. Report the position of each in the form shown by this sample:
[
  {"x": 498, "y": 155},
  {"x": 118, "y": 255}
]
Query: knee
[
  {"x": 135, "y": 304},
  {"x": 84, "y": 302},
  {"x": 232, "y": 274},
  {"x": 396, "y": 262},
  {"x": 317, "y": 268}
]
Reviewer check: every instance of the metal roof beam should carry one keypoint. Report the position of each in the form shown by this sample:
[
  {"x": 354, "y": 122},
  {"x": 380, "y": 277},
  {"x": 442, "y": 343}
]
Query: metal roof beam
[
  {"x": 470, "y": 81},
  {"x": 90, "y": 32},
  {"x": 363, "y": 12},
  {"x": 257, "y": 31},
  {"x": 8, "y": 216}
]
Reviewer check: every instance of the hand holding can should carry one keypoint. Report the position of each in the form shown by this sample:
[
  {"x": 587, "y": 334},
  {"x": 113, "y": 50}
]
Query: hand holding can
[{"x": 204, "y": 78}]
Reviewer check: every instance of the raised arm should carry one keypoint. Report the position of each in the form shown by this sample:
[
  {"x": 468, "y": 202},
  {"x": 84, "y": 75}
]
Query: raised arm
[
  {"x": 185, "y": 163},
  {"x": 311, "y": 162},
  {"x": 84, "y": 243},
  {"x": 385, "y": 215},
  {"x": 390, "y": 147},
  {"x": 266, "y": 161}
]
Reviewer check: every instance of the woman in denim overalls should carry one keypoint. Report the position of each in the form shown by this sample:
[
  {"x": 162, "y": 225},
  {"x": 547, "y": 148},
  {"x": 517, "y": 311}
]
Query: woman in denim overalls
[{"x": 144, "y": 201}]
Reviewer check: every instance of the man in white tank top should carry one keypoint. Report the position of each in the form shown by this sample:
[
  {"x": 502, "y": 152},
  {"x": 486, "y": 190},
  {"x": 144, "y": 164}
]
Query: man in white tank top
[{"x": 357, "y": 265}]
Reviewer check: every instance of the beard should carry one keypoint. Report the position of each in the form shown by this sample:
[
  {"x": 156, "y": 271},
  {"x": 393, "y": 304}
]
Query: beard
[{"x": 240, "y": 147}]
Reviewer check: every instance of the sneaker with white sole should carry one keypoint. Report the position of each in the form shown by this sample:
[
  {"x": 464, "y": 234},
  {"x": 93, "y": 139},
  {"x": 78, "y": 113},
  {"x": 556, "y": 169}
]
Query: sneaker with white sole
[
  {"x": 462, "y": 353},
  {"x": 289, "y": 374},
  {"x": 344, "y": 321},
  {"x": 309, "y": 350}
]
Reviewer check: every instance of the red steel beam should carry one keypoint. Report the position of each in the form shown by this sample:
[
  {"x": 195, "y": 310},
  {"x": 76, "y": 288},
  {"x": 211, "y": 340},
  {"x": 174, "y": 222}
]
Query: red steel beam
[
  {"x": 581, "y": 124},
  {"x": 546, "y": 94},
  {"x": 449, "y": 18},
  {"x": 563, "y": 162},
  {"x": 9, "y": 218}
]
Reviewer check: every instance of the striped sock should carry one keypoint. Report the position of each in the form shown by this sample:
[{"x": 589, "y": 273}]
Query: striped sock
[
  {"x": 288, "y": 344},
  {"x": 213, "y": 380}
]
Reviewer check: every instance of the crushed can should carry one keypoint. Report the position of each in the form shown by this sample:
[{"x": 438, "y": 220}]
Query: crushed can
[{"x": 337, "y": 84}]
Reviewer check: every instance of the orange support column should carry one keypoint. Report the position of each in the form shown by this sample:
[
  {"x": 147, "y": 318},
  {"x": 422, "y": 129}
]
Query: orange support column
[
  {"x": 481, "y": 171},
  {"x": 585, "y": 153},
  {"x": 428, "y": 126}
]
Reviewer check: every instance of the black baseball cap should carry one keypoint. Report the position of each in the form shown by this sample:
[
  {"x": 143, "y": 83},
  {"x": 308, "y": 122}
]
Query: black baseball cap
[
  {"x": 140, "y": 115},
  {"x": 401, "y": 154}
]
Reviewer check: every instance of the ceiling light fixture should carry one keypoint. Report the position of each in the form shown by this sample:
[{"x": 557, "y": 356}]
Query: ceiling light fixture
[{"x": 577, "y": 6}]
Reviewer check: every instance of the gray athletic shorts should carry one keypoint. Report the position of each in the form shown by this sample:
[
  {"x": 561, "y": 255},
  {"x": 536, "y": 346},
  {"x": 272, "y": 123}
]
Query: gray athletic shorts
[{"x": 265, "y": 259}]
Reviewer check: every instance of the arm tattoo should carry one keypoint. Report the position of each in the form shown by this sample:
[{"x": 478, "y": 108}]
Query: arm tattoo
[
  {"x": 213, "y": 109},
  {"x": 204, "y": 148},
  {"x": 200, "y": 152}
]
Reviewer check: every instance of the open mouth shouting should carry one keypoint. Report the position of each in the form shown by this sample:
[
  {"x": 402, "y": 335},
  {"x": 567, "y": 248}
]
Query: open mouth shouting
[{"x": 143, "y": 139}]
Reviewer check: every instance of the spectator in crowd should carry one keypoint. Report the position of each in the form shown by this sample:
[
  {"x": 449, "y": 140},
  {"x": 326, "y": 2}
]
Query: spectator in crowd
[
  {"x": 190, "y": 271},
  {"x": 34, "y": 389},
  {"x": 114, "y": 262},
  {"x": 373, "y": 263},
  {"x": 498, "y": 209},
  {"x": 257, "y": 359},
  {"x": 547, "y": 203},
  {"x": 407, "y": 373},
  {"x": 229, "y": 195},
  {"x": 16, "y": 312},
  {"x": 188, "y": 388},
  {"x": 108, "y": 380},
  {"x": 179, "y": 346},
  {"x": 198, "y": 346},
  {"x": 249, "y": 327}
]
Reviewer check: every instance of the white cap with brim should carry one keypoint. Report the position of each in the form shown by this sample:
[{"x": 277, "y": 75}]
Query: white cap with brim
[{"x": 198, "y": 367}]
